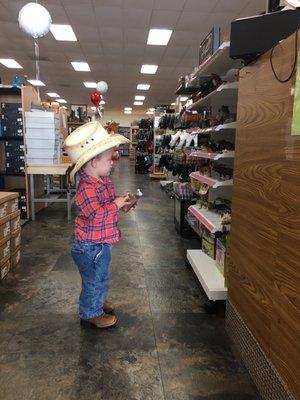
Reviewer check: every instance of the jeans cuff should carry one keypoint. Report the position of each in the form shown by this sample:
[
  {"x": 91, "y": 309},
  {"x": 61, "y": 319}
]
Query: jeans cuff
[{"x": 90, "y": 316}]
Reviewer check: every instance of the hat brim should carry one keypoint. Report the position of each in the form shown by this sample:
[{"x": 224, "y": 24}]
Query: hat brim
[{"x": 101, "y": 147}]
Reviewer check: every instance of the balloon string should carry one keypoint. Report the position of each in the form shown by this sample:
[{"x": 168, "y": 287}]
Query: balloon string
[{"x": 37, "y": 65}]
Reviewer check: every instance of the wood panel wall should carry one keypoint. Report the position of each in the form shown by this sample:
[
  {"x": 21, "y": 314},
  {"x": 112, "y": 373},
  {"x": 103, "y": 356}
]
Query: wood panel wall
[{"x": 264, "y": 283}]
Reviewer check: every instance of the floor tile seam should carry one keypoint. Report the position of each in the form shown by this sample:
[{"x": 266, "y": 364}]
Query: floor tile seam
[{"x": 152, "y": 321}]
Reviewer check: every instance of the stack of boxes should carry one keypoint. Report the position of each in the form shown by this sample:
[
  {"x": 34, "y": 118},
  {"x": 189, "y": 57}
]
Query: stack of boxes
[
  {"x": 10, "y": 232},
  {"x": 43, "y": 137},
  {"x": 11, "y": 128}
]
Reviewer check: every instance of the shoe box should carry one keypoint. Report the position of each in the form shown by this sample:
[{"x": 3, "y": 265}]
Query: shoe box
[
  {"x": 209, "y": 244},
  {"x": 22, "y": 202},
  {"x": 14, "y": 156},
  {"x": 11, "y": 120}
]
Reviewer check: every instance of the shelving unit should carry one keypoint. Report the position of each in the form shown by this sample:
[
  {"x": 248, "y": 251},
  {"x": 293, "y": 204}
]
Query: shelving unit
[
  {"x": 210, "y": 219},
  {"x": 224, "y": 94},
  {"x": 19, "y": 181},
  {"x": 156, "y": 173},
  {"x": 218, "y": 128},
  {"x": 210, "y": 277},
  {"x": 132, "y": 149},
  {"x": 213, "y": 183},
  {"x": 212, "y": 156}
]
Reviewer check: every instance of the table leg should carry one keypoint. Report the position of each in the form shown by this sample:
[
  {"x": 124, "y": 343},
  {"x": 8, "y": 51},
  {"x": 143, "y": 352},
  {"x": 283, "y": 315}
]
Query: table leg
[
  {"x": 69, "y": 203},
  {"x": 32, "y": 196}
]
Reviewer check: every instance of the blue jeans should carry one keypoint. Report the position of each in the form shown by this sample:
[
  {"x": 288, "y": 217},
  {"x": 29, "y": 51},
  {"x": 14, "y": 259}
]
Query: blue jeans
[{"x": 92, "y": 260}]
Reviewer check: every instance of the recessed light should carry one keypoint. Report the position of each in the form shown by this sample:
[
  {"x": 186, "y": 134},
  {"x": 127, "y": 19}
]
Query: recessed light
[
  {"x": 61, "y": 101},
  {"x": 10, "y": 63},
  {"x": 52, "y": 94},
  {"x": 184, "y": 98},
  {"x": 139, "y": 98},
  {"x": 138, "y": 103},
  {"x": 143, "y": 86},
  {"x": 127, "y": 112},
  {"x": 149, "y": 69},
  {"x": 80, "y": 66},
  {"x": 63, "y": 32},
  {"x": 159, "y": 37},
  {"x": 128, "y": 108},
  {"x": 90, "y": 85},
  {"x": 36, "y": 82}
]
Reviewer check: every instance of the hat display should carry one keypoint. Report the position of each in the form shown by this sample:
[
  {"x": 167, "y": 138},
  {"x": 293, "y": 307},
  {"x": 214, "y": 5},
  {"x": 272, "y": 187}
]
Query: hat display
[{"x": 87, "y": 141}]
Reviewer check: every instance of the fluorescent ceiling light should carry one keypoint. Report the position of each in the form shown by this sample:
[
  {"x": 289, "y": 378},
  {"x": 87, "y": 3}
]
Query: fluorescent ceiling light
[
  {"x": 63, "y": 32},
  {"x": 143, "y": 86},
  {"x": 151, "y": 109},
  {"x": 52, "y": 94},
  {"x": 90, "y": 85},
  {"x": 149, "y": 69},
  {"x": 149, "y": 112},
  {"x": 127, "y": 112},
  {"x": 139, "y": 98},
  {"x": 173, "y": 104},
  {"x": 80, "y": 66},
  {"x": 10, "y": 63},
  {"x": 128, "y": 108},
  {"x": 138, "y": 103},
  {"x": 36, "y": 82},
  {"x": 61, "y": 101},
  {"x": 184, "y": 98},
  {"x": 159, "y": 37}
]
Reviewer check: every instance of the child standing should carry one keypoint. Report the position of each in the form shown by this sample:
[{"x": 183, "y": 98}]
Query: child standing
[{"x": 90, "y": 147}]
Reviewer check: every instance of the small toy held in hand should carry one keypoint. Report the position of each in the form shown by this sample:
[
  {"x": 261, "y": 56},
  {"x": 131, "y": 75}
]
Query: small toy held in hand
[{"x": 133, "y": 200}]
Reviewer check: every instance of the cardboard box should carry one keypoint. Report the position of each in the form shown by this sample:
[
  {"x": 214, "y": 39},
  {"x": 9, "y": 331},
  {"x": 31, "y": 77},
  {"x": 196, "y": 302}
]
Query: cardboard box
[
  {"x": 7, "y": 203},
  {"x": 4, "y": 268},
  {"x": 13, "y": 205},
  {"x": 5, "y": 227},
  {"x": 15, "y": 223},
  {"x": 209, "y": 244},
  {"x": 22, "y": 202},
  {"x": 15, "y": 241},
  {"x": 15, "y": 257},
  {"x": 4, "y": 248}
]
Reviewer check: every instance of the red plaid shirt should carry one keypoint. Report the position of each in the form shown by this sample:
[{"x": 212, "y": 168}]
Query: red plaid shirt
[{"x": 98, "y": 216}]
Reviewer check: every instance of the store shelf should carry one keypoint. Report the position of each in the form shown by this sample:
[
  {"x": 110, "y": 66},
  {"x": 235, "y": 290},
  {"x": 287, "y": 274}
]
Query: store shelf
[
  {"x": 6, "y": 138},
  {"x": 9, "y": 90},
  {"x": 3, "y": 173},
  {"x": 183, "y": 90},
  {"x": 212, "y": 129},
  {"x": 210, "y": 277},
  {"x": 219, "y": 63},
  {"x": 195, "y": 229},
  {"x": 224, "y": 94},
  {"x": 212, "y": 156},
  {"x": 210, "y": 219},
  {"x": 213, "y": 183}
]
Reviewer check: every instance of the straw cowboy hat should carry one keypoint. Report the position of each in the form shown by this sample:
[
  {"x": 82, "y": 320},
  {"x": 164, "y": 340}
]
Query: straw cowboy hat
[{"x": 87, "y": 141}]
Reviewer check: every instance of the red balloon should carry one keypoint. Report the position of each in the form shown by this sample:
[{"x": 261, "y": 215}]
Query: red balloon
[{"x": 96, "y": 98}]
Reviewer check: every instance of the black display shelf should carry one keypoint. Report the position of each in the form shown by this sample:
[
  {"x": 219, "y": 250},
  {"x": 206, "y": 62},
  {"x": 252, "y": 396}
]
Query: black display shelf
[
  {"x": 186, "y": 90},
  {"x": 3, "y": 173},
  {"x": 3, "y": 138},
  {"x": 10, "y": 90}
]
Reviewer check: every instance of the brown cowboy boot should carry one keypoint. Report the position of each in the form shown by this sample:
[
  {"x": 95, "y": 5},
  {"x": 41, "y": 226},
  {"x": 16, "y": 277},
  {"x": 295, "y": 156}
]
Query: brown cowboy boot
[
  {"x": 104, "y": 321},
  {"x": 108, "y": 307}
]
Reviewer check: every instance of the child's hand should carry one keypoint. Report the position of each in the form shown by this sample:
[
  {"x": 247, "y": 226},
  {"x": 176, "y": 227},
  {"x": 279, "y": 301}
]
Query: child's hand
[{"x": 122, "y": 201}]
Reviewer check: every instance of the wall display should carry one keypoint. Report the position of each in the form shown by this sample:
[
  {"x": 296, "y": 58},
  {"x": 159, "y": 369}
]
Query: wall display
[{"x": 79, "y": 111}]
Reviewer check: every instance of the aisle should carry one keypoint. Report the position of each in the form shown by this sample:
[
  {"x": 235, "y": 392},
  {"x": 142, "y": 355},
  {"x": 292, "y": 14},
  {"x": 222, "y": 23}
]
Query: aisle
[{"x": 165, "y": 346}]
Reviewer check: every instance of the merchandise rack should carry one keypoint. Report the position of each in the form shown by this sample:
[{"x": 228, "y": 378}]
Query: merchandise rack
[
  {"x": 213, "y": 183},
  {"x": 205, "y": 267}
]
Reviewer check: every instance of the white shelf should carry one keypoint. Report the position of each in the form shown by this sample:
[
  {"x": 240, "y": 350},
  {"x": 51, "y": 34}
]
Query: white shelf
[
  {"x": 210, "y": 277},
  {"x": 193, "y": 226},
  {"x": 212, "y": 129},
  {"x": 213, "y": 183},
  {"x": 212, "y": 156},
  {"x": 224, "y": 94},
  {"x": 210, "y": 219},
  {"x": 219, "y": 63}
]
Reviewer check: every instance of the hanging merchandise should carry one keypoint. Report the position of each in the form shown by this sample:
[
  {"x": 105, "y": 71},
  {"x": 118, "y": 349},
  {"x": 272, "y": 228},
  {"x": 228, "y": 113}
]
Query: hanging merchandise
[
  {"x": 102, "y": 87},
  {"x": 96, "y": 98}
]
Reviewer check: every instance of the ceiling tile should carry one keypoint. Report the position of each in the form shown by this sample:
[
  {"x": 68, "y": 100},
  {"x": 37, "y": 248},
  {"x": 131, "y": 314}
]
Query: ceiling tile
[
  {"x": 136, "y": 18},
  {"x": 164, "y": 19},
  {"x": 135, "y": 36},
  {"x": 111, "y": 34},
  {"x": 169, "y": 5},
  {"x": 145, "y": 4},
  {"x": 202, "y": 6}
]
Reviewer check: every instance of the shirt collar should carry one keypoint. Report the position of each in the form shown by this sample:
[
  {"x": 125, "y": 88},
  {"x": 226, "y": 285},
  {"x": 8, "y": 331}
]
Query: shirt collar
[{"x": 91, "y": 179}]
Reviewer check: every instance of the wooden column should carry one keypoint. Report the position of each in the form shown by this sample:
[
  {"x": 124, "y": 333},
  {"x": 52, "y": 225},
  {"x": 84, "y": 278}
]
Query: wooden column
[{"x": 264, "y": 282}]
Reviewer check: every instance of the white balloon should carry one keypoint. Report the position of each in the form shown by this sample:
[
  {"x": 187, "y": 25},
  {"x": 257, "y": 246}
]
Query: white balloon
[
  {"x": 102, "y": 87},
  {"x": 35, "y": 20}
]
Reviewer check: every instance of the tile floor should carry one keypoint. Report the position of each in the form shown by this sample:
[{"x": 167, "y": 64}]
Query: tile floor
[{"x": 164, "y": 347}]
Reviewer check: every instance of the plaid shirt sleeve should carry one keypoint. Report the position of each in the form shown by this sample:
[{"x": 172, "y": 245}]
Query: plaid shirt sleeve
[{"x": 88, "y": 202}]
